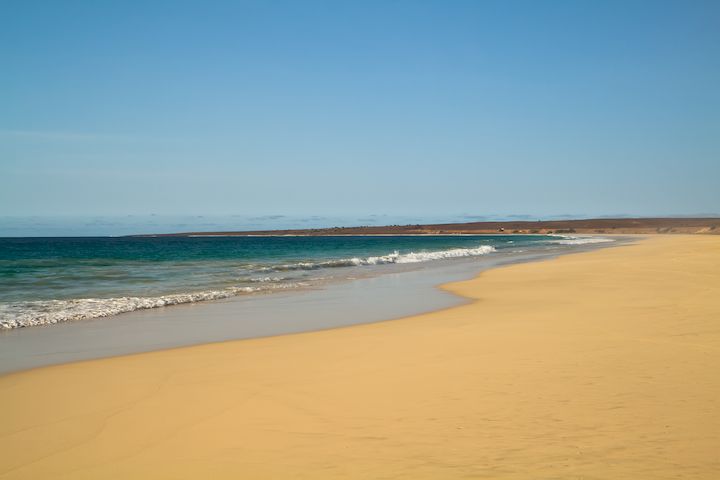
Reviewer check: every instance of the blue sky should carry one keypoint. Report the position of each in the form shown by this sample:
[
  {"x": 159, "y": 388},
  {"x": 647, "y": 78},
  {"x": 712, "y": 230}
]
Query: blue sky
[{"x": 418, "y": 109}]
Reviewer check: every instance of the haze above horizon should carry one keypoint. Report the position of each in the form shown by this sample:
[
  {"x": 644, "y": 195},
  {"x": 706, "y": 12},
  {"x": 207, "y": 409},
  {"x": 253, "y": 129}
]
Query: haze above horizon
[{"x": 417, "y": 111}]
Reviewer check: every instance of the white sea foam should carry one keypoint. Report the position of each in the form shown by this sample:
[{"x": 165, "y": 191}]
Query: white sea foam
[
  {"x": 581, "y": 240},
  {"x": 395, "y": 257},
  {"x": 48, "y": 312},
  {"x": 267, "y": 279}
]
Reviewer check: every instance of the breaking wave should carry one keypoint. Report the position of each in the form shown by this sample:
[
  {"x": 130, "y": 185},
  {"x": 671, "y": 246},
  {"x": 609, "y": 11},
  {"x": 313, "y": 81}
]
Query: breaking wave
[
  {"x": 48, "y": 312},
  {"x": 581, "y": 240},
  {"x": 395, "y": 257}
]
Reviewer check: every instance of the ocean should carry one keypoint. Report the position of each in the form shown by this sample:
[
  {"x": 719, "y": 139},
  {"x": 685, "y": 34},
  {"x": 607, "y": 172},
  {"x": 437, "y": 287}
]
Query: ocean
[{"x": 53, "y": 280}]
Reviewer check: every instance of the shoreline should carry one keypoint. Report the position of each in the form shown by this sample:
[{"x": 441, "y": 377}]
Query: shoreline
[
  {"x": 295, "y": 263},
  {"x": 597, "y": 365},
  {"x": 378, "y": 297}
]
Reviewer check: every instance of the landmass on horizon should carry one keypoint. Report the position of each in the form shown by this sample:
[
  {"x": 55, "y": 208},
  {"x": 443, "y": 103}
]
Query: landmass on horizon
[{"x": 707, "y": 225}]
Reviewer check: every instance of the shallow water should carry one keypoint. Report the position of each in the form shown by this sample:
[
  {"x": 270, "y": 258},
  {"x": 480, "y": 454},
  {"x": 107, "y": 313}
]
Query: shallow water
[
  {"x": 395, "y": 294},
  {"x": 54, "y": 280}
]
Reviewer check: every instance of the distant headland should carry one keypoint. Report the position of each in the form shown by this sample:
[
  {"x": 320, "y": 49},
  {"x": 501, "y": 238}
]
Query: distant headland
[{"x": 710, "y": 225}]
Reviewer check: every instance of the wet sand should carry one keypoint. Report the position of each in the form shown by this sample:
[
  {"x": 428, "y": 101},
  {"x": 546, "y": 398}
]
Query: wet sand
[
  {"x": 593, "y": 365},
  {"x": 370, "y": 298}
]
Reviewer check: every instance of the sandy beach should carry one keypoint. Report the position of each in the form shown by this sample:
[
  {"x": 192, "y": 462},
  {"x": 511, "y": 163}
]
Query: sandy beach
[{"x": 596, "y": 365}]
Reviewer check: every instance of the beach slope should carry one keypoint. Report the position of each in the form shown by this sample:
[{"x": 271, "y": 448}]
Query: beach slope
[{"x": 593, "y": 365}]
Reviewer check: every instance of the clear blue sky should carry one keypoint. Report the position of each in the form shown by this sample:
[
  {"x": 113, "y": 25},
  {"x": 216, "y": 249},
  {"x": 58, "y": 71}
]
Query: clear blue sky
[{"x": 354, "y": 108}]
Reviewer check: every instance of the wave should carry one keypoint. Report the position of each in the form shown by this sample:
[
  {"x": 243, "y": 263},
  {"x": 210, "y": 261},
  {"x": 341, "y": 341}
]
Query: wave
[
  {"x": 582, "y": 240},
  {"x": 49, "y": 312},
  {"x": 267, "y": 279},
  {"x": 395, "y": 257}
]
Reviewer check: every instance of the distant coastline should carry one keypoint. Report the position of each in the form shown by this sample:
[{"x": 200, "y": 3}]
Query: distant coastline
[{"x": 708, "y": 225}]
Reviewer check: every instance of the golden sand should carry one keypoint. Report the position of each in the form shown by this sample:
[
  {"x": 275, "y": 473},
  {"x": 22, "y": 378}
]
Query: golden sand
[{"x": 595, "y": 365}]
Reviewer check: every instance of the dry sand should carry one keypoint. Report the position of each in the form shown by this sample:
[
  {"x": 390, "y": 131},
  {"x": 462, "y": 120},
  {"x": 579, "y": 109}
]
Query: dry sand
[{"x": 595, "y": 365}]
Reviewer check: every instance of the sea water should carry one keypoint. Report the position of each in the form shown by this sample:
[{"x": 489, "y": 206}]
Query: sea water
[{"x": 52, "y": 280}]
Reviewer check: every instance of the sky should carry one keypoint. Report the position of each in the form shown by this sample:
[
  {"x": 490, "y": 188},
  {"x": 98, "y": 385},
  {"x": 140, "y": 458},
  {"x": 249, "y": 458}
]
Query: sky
[{"x": 342, "y": 110}]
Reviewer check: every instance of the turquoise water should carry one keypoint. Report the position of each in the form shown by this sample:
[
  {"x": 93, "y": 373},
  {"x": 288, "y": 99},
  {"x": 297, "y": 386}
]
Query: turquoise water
[{"x": 51, "y": 280}]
